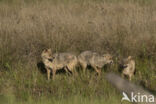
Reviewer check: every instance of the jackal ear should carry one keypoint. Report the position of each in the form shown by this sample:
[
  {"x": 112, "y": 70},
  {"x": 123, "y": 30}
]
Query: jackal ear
[
  {"x": 49, "y": 50},
  {"x": 129, "y": 57},
  {"x": 45, "y": 50}
]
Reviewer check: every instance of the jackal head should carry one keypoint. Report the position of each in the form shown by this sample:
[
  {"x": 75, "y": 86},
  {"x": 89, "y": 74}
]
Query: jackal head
[
  {"x": 47, "y": 54},
  {"x": 126, "y": 62},
  {"x": 108, "y": 58}
]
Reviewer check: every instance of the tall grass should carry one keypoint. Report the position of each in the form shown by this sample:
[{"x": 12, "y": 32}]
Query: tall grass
[{"x": 119, "y": 27}]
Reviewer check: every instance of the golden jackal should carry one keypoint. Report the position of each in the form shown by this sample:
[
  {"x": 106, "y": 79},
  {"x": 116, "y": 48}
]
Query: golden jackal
[
  {"x": 57, "y": 61},
  {"x": 128, "y": 67},
  {"x": 94, "y": 60}
]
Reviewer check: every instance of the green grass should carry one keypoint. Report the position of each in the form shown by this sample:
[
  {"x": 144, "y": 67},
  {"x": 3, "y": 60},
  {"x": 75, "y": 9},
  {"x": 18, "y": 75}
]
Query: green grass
[{"x": 27, "y": 85}]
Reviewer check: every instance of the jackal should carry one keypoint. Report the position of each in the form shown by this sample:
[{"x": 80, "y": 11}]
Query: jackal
[
  {"x": 95, "y": 60},
  {"x": 57, "y": 61},
  {"x": 128, "y": 67}
]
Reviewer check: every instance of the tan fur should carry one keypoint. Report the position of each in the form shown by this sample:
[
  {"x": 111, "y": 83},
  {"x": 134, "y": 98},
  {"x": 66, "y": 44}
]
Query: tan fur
[
  {"x": 94, "y": 60},
  {"x": 57, "y": 61},
  {"x": 129, "y": 67}
]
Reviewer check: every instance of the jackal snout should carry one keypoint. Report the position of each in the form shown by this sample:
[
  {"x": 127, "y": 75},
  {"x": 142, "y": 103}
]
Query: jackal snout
[{"x": 108, "y": 58}]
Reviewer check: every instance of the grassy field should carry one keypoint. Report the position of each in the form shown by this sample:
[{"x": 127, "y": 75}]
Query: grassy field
[{"x": 119, "y": 27}]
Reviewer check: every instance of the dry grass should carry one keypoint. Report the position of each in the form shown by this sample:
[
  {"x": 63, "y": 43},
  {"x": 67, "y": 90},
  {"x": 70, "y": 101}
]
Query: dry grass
[{"x": 121, "y": 28}]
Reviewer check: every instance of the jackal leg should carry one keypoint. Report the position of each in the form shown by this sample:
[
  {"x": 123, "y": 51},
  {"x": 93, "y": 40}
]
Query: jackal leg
[
  {"x": 98, "y": 70},
  {"x": 48, "y": 73},
  {"x": 84, "y": 66},
  {"x": 71, "y": 69},
  {"x": 74, "y": 72},
  {"x": 54, "y": 72},
  {"x": 130, "y": 77},
  {"x": 67, "y": 70}
]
